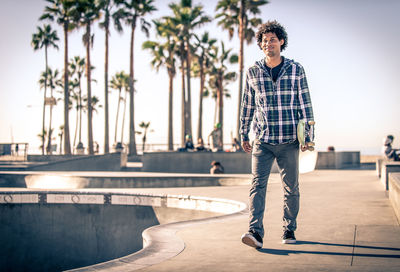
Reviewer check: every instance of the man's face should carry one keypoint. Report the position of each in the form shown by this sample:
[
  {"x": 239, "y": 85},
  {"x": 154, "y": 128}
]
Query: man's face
[{"x": 271, "y": 45}]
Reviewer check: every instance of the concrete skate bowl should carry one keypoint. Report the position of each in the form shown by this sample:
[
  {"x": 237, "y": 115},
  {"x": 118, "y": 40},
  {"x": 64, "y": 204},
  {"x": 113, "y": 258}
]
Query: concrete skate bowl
[{"x": 86, "y": 231}]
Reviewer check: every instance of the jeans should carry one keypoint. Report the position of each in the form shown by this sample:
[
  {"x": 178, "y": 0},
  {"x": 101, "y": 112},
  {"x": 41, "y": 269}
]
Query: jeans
[{"x": 287, "y": 157}]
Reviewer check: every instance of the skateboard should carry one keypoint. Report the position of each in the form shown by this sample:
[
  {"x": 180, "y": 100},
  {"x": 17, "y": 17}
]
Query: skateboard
[{"x": 305, "y": 134}]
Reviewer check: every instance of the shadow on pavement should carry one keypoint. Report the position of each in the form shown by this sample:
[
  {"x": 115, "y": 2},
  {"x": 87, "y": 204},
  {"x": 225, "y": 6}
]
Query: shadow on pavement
[{"x": 293, "y": 251}]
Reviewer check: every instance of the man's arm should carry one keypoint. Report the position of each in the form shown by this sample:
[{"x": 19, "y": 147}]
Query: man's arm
[
  {"x": 306, "y": 111},
  {"x": 247, "y": 110}
]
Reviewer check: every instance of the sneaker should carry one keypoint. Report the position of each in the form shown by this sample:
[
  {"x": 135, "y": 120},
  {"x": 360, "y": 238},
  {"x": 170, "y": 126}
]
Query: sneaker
[
  {"x": 288, "y": 237},
  {"x": 252, "y": 239}
]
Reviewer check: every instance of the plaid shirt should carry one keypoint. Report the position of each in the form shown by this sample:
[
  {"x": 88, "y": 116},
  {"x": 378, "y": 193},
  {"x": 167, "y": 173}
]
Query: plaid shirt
[{"x": 277, "y": 106}]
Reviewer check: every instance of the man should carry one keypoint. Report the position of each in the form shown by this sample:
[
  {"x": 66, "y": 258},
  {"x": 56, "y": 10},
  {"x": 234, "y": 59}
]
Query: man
[
  {"x": 276, "y": 95},
  {"x": 216, "y": 143},
  {"x": 389, "y": 152}
]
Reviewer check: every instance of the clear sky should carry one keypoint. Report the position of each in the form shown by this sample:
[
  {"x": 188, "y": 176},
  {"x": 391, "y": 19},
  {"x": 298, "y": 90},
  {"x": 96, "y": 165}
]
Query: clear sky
[{"x": 349, "y": 50}]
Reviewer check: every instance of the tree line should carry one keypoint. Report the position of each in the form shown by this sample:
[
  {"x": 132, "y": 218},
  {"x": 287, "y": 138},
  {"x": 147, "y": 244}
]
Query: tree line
[{"x": 178, "y": 48}]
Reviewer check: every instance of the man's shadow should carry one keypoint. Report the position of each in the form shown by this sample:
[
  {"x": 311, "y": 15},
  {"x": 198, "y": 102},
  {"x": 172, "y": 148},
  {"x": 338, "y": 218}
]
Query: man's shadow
[{"x": 293, "y": 251}]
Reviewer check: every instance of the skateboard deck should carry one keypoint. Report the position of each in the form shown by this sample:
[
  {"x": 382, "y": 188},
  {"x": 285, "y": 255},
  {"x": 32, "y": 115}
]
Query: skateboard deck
[{"x": 305, "y": 134}]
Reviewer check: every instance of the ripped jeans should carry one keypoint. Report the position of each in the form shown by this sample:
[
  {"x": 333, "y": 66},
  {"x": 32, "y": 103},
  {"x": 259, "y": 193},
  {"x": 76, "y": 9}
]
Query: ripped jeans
[{"x": 287, "y": 157}]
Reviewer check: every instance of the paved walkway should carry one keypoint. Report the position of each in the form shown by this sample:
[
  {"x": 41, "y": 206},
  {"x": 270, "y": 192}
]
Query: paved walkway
[{"x": 346, "y": 223}]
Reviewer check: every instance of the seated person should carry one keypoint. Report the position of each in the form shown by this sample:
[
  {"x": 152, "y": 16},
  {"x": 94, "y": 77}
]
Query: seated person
[
  {"x": 236, "y": 145},
  {"x": 216, "y": 168},
  {"x": 188, "y": 144},
  {"x": 389, "y": 152},
  {"x": 200, "y": 145}
]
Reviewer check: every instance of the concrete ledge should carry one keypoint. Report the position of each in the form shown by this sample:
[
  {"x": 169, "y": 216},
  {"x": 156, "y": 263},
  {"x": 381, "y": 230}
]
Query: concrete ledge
[
  {"x": 394, "y": 193},
  {"x": 386, "y": 168},
  {"x": 106, "y": 162},
  {"x": 160, "y": 243},
  {"x": 80, "y": 180},
  {"x": 197, "y": 162},
  {"x": 378, "y": 168},
  {"x": 338, "y": 160}
]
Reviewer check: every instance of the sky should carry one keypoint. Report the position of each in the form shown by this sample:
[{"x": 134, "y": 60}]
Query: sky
[{"x": 349, "y": 50}]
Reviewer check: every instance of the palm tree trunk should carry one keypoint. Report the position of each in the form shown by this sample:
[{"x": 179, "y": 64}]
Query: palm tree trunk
[
  {"x": 106, "y": 125},
  {"x": 200, "y": 120},
  {"x": 80, "y": 111},
  {"x": 89, "y": 91},
  {"x": 221, "y": 108},
  {"x": 170, "y": 113},
  {"x": 123, "y": 120},
  {"x": 116, "y": 121},
  {"x": 241, "y": 38},
  {"x": 189, "y": 99},
  {"x": 132, "y": 142},
  {"x": 76, "y": 125},
  {"x": 183, "y": 133},
  {"x": 44, "y": 100},
  {"x": 49, "y": 151},
  {"x": 67, "y": 143}
]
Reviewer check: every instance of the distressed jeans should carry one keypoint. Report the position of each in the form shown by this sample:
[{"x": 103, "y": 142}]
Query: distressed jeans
[{"x": 287, "y": 157}]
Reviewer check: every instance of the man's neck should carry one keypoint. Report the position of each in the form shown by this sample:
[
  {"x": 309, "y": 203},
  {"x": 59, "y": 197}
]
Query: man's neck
[{"x": 272, "y": 62}]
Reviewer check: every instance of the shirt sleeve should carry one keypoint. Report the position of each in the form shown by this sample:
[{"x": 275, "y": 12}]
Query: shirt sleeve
[
  {"x": 247, "y": 109},
  {"x": 306, "y": 111}
]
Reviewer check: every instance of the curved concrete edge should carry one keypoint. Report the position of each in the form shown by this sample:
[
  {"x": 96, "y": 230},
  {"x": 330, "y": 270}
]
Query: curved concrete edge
[
  {"x": 161, "y": 243},
  {"x": 394, "y": 193}
]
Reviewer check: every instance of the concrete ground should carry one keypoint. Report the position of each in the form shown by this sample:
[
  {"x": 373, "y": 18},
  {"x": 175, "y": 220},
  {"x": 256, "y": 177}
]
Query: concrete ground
[{"x": 346, "y": 223}]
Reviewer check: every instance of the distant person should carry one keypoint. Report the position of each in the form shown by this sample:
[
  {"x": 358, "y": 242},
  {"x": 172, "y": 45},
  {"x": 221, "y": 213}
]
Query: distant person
[
  {"x": 331, "y": 149},
  {"x": 236, "y": 145},
  {"x": 16, "y": 149},
  {"x": 389, "y": 152},
  {"x": 188, "y": 144},
  {"x": 97, "y": 148},
  {"x": 216, "y": 168},
  {"x": 216, "y": 141},
  {"x": 276, "y": 94},
  {"x": 200, "y": 145}
]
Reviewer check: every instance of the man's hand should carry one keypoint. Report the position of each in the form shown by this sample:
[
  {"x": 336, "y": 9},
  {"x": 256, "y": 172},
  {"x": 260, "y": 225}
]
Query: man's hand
[
  {"x": 246, "y": 146},
  {"x": 303, "y": 148}
]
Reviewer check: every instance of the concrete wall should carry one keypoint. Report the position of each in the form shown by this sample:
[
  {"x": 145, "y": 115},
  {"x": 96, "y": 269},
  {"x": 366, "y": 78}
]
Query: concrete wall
[
  {"x": 387, "y": 168},
  {"x": 235, "y": 162},
  {"x": 76, "y": 180},
  {"x": 394, "y": 192},
  {"x": 338, "y": 160},
  {"x": 106, "y": 162},
  {"x": 197, "y": 162},
  {"x": 59, "y": 230}
]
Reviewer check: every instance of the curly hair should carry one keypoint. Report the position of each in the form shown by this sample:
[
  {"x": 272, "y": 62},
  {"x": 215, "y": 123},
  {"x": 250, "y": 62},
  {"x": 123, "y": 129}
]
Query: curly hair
[{"x": 272, "y": 27}]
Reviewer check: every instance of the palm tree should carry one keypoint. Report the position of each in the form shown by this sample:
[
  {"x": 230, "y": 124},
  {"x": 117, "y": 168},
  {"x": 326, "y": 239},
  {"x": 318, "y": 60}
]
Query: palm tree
[
  {"x": 118, "y": 82},
  {"x": 131, "y": 11},
  {"x": 236, "y": 14},
  {"x": 62, "y": 11},
  {"x": 204, "y": 46},
  {"x": 220, "y": 77},
  {"x": 164, "y": 55},
  {"x": 45, "y": 37},
  {"x": 77, "y": 67},
  {"x": 86, "y": 13},
  {"x": 106, "y": 6},
  {"x": 187, "y": 17},
  {"x": 51, "y": 80},
  {"x": 60, "y": 134},
  {"x": 145, "y": 126}
]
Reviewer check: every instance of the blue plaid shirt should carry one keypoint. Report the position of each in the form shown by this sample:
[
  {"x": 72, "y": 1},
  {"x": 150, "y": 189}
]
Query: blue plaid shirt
[{"x": 277, "y": 106}]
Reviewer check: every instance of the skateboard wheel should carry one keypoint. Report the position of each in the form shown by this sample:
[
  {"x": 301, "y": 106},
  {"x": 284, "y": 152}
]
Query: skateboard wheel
[
  {"x": 311, "y": 123},
  {"x": 311, "y": 148},
  {"x": 311, "y": 144}
]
